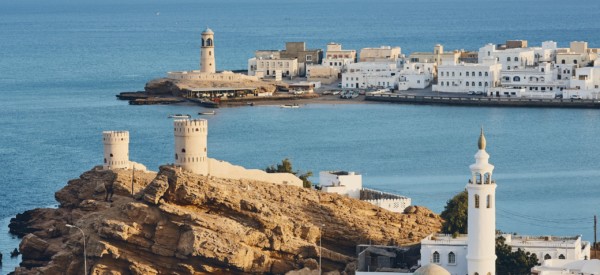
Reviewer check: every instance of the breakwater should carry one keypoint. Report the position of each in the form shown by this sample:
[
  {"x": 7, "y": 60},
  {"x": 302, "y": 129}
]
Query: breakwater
[{"x": 485, "y": 101}]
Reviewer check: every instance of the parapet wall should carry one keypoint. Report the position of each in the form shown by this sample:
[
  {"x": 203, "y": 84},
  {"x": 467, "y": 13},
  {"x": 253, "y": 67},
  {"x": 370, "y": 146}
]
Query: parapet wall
[
  {"x": 190, "y": 127},
  {"x": 111, "y": 137},
  {"x": 198, "y": 75}
]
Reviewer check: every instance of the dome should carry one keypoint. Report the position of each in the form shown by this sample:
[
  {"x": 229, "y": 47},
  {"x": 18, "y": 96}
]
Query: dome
[
  {"x": 208, "y": 31},
  {"x": 431, "y": 269}
]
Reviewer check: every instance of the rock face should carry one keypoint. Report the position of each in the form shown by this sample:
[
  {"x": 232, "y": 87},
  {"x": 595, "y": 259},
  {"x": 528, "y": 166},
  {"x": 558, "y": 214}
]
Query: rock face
[
  {"x": 177, "y": 87},
  {"x": 181, "y": 223}
]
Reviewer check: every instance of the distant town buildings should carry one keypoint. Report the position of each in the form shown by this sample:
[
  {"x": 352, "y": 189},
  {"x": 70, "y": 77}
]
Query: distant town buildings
[
  {"x": 381, "y": 54},
  {"x": 290, "y": 62}
]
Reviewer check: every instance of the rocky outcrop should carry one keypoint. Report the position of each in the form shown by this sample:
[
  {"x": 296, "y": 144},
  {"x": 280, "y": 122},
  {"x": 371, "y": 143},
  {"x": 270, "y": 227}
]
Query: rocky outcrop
[
  {"x": 177, "y": 87},
  {"x": 180, "y": 223}
]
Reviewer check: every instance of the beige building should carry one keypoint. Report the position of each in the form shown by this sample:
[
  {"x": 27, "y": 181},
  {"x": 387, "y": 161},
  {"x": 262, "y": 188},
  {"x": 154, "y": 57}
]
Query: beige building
[
  {"x": 304, "y": 56},
  {"x": 381, "y": 54},
  {"x": 337, "y": 58},
  {"x": 323, "y": 73},
  {"x": 272, "y": 67},
  {"x": 267, "y": 63}
]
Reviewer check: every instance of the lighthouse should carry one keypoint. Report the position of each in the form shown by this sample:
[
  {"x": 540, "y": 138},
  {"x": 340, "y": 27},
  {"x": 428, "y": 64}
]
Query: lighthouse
[{"x": 207, "y": 52}]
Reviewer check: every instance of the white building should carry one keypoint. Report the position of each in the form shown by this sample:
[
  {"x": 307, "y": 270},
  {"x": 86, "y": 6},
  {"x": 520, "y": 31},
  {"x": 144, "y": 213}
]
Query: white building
[
  {"x": 415, "y": 76},
  {"x": 509, "y": 58},
  {"x": 350, "y": 184},
  {"x": 532, "y": 82},
  {"x": 585, "y": 84},
  {"x": 468, "y": 77},
  {"x": 337, "y": 58},
  {"x": 568, "y": 267},
  {"x": 365, "y": 75},
  {"x": 475, "y": 252},
  {"x": 274, "y": 66},
  {"x": 341, "y": 182}
]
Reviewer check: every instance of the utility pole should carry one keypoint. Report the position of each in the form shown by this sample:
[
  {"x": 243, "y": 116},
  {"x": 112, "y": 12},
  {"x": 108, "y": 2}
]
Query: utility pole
[
  {"x": 595, "y": 226},
  {"x": 132, "y": 179}
]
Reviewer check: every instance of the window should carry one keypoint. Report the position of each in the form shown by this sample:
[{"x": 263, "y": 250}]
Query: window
[
  {"x": 209, "y": 53},
  {"x": 547, "y": 257},
  {"x": 562, "y": 61},
  {"x": 489, "y": 201},
  {"x": 561, "y": 256},
  {"x": 452, "y": 73},
  {"x": 486, "y": 73},
  {"x": 516, "y": 58},
  {"x": 508, "y": 67},
  {"x": 111, "y": 155},
  {"x": 476, "y": 201},
  {"x": 209, "y": 42},
  {"x": 479, "y": 73},
  {"x": 436, "y": 257},
  {"x": 480, "y": 84},
  {"x": 447, "y": 83},
  {"x": 516, "y": 79},
  {"x": 508, "y": 58},
  {"x": 574, "y": 61},
  {"x": 467, "y": 83},
  {"x": 473, "y": 83},
  {"x": 183, "y": 150},
  {"x": 467, "y": 73},
  {"x": 309, "y": 58},
  {"x": 485, "y": 84},
  {"x": 451, "y": 258}
]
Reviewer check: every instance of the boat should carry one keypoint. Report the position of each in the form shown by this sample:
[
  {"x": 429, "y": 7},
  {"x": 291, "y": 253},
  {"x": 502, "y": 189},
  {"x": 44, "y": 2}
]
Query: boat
[
  {"x": 289, "y": 106},
  {"x": 179, "y": 116},
  {"x": 205, "y": 102},
  {"x": 250, "y": 103},
  {"x": 207, "y": 113}
]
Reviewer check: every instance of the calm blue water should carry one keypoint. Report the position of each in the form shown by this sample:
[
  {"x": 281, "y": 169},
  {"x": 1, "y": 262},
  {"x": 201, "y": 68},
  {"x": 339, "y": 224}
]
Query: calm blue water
[{"x": 61, "y": 63}]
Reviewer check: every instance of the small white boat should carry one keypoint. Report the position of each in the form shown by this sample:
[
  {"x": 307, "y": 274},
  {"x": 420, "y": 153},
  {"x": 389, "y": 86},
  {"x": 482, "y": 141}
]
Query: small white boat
[
  {"x": 289, "y": 106},
  {"x": 207, "y": 113},
  {"x": 179, "y": 116}
]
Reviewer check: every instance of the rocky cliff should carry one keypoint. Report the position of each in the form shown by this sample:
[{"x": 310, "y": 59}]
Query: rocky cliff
[{"x": 181, "y": 223}]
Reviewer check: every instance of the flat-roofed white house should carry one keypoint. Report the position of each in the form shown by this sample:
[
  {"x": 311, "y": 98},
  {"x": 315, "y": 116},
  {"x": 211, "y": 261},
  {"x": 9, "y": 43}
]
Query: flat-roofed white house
[
  {"x": 338, "y": 58},
  {"x": 509, "y": 58},
  {"x": 568, "y": 267},
  {"x": 468, "y": 77},
  {"x": 530, "y": 82},
  {"x": 585, "y": 84},
  {"x": 365, "y": 75}
]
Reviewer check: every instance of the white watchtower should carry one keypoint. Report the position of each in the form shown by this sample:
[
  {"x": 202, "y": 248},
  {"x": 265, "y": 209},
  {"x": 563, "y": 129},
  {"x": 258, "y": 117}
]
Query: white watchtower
[
  {"x": 190, "y": 145},
  {"x": 207, "y": 52},
  {"x": 481, "y": 248},
  {"x": 116, "y": 149}
]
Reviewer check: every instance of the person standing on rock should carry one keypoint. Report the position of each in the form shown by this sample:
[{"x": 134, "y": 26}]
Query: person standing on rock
[{"x": 109, "y": 186}]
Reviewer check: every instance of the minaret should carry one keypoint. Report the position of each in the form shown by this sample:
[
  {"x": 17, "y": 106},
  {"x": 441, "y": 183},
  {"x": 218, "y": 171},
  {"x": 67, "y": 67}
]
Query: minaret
[
  {"x": 207, "y": 52},
  {"x": 481, "y": 251},
  {"x": 116, "y": 150},
  {"x": 190, "y": 145}
]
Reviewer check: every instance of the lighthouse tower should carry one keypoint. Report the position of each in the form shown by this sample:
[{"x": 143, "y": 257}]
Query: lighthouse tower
[
  {"x": 116, "y": 149},
  {"x": 190, "y": 145},
  {"x": 481, "y": 248},
  {"x": 207, "y": 52}
]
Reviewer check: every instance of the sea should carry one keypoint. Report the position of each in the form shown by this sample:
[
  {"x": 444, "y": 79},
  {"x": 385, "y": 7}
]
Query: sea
[{"x": 62, "y": 62}]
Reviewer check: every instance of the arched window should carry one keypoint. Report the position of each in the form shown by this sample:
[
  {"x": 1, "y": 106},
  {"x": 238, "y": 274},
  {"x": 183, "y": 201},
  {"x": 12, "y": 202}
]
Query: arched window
[
  {"x": 467, "y": 73},
  {"x": 476, "y": 201},
  {"x": 209, "y": 53},
  {"x": 202, "y": 42},
  {"x": 183, "y": 150},
  {"x": 516, "y": 78},
  {"x": 209, "y": 42},
  {"x": 489, "y": 201},
  {"x": 473, "y": 83},
  {"x": 479, "y": 73},
  {"x": 508, "y": 67},
  {"x": 508, "y": 58},
  {"x": 104, "y": 160},
  {"x": 476, "y": 273},
  {"x": 479, "y": 83},
  {"x": 447, "y": 83},
  {"x": 547, "y": 257},
  {"x": 451, "y": 258},
  {"x": 486, "y": 73},
  {"x": 111, "y": 155},
  {"x": 574, "y": 61},
  {"x": 516, "y": 58},
  {"x": 442, "y": 83},
  {"x": 467, "y": 83},
  {"x": 436, "y": 257},
  {"x": 473, "y": 73},
  {"x": 561, "y": 256},
  {"x": 485, "y": 84}
]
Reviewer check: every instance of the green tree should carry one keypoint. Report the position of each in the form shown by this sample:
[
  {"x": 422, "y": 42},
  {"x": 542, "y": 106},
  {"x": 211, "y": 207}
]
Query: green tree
[
  {"x": 513, "y": 263},
  {"x": 455, "y": 214},
  {"x": 286, "y": 167}
]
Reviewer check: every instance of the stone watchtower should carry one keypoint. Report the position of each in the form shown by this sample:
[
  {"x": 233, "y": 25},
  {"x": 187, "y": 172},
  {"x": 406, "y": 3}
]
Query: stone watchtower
[
  {"x": 116, "y": 149},
  {"x": 207, "y": 52},
  {"x": 190, "y": 145},
  {"x": 481, "y": 247}
]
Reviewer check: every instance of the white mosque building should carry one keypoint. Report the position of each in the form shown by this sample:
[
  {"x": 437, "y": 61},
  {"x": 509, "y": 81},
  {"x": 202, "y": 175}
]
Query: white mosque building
[{"x": 474, "y": 253}]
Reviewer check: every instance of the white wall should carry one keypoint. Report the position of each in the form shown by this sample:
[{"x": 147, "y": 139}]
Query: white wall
[{"x": 348, "y": 185}]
